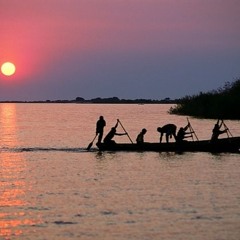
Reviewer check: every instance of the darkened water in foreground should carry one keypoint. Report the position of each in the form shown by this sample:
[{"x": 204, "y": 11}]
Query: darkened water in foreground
[{"x": 51, "y": 188}]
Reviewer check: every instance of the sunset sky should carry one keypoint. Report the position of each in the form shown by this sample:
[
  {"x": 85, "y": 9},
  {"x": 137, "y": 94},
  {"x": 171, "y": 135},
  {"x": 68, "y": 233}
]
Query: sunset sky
[{"x": 63, "y": 49}]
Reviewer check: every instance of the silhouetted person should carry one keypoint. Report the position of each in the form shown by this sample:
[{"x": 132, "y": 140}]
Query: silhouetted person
[
  {"x": 99, "y": 128},
  {"x": 169, "y": 130},
  {"x": 216, "y": 131},
  {"x": 183, "y": 134},
  {"x": 111, "y": 134},
  {"x": 140, "y": 137}
]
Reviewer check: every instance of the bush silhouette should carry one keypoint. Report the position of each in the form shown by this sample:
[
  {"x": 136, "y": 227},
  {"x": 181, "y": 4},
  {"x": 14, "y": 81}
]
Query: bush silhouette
[{"x": 222, "y": 103}]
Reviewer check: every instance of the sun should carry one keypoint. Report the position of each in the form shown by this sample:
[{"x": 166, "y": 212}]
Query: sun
[{"x": 8, "y": 68}]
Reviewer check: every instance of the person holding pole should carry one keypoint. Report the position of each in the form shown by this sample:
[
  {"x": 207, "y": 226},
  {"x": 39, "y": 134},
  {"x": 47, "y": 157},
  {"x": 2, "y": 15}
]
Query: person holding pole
[
  {"x": 217, "y": 131},
  {"x": 111, "y": 134},
  {"x": 182, "y": 133}
]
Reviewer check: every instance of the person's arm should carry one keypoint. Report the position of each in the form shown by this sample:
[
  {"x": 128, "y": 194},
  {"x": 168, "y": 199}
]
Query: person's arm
[
  {"x": 187, "y": 136},
  {"x": 223, "y": 131},
  {"x": 120, "y": 134}
]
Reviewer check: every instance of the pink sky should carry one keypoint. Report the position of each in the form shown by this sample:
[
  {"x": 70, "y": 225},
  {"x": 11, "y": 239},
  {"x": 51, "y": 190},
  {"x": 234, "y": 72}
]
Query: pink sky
[{"x": 74, "y": 45}]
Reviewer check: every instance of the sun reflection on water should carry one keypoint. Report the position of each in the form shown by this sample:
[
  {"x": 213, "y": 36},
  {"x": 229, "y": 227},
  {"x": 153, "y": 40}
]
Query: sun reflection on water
[{"x": 13, "y": 182}]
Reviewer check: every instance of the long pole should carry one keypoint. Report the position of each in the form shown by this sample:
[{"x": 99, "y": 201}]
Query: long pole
[
  {"x": 226, "y": 128},
  {"x": 125, "y": 130},
  {"x": 191, "y": 129}
]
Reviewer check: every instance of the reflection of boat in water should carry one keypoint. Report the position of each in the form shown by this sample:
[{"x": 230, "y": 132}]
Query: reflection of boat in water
[{"x": 231, "y": 145}]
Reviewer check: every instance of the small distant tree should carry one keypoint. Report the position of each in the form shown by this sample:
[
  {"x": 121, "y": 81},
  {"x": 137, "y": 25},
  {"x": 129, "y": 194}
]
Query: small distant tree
[{"x": 80, "y": 99}]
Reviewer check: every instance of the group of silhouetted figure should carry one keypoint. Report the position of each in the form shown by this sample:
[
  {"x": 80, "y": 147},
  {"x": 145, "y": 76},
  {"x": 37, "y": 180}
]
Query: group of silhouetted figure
[
  {"x": 101, "y": 123},
  {"x": 169, "y": 130}
]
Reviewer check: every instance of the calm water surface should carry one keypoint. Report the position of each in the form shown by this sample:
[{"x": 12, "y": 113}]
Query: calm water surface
[{"x": 52, "y": 188}]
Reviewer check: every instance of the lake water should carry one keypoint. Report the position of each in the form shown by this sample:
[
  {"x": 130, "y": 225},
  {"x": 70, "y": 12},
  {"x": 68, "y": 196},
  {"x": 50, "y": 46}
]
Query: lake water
[{"x": 52, "y": 188}]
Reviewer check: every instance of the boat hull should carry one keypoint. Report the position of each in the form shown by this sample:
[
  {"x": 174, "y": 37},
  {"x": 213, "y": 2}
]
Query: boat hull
[{"x": 231, "y": 145}]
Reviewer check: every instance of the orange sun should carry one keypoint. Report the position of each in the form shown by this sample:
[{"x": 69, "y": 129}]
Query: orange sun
[{"x": 8, "y": 68}]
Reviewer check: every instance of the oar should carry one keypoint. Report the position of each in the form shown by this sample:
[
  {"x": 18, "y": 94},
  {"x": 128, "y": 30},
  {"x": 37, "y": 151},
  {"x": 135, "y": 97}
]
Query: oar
[
  {"x": 191, "y": 129},
  {"x": 91, "y": 143},
  {"x": 125, "y": 130},
  {"x": 226, "y": 128},
  {"x": 189, "y": 125}
]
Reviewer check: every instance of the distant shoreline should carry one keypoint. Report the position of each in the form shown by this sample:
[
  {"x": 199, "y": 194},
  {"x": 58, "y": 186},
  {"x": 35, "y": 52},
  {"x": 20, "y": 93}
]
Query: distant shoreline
[{"x": 113, "y": 100}]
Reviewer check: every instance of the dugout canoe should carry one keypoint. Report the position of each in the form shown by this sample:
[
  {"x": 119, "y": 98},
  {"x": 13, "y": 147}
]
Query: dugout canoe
[{"x": 231, "y": 145}]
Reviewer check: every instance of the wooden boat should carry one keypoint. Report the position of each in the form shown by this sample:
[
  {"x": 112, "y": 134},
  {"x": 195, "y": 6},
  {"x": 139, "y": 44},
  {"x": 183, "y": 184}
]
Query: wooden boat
[{"x": 231, "y": 145}]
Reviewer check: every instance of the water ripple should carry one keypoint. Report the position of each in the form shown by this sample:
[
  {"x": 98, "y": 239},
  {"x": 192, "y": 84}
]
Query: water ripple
[{"x": 46, "y": 149}]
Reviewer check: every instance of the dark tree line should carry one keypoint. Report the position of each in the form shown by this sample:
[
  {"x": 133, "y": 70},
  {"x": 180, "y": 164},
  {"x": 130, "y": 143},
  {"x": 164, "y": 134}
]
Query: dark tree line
[
  {"x": 223, "y": 103},
  {"x": 116, "y": 100}
]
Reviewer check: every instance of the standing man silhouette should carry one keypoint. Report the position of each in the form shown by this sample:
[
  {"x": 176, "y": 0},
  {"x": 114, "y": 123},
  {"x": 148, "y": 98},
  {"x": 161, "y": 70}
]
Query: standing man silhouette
[{"x": 99, "y": 128}]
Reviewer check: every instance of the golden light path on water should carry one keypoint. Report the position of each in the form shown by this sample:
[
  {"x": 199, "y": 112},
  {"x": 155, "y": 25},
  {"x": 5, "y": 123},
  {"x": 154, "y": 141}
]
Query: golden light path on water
[{"x": 13, "y": 183}]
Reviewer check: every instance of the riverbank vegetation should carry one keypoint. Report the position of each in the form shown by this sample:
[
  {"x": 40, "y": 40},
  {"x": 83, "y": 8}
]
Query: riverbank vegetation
[
  {"x": 218, "y": 104},
  {"x": 98, "y": 100}
]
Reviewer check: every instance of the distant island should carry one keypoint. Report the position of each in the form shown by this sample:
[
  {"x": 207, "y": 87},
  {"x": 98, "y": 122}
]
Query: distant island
[
  {"x": 98, "y": 100},
  {"x": 222, "y": 103}
]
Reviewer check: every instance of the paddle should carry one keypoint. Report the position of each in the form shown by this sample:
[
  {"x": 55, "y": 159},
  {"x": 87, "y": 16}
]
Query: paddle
[
  {"x": 125, "y": 130},
  {"x": 91, "y": 143},
  {"x": 226, "y": 129},
  {"x": 191, "y": 130}
]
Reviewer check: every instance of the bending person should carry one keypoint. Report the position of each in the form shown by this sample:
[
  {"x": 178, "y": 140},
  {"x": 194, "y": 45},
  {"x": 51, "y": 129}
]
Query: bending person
[{"x": 169, "y": 130}]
